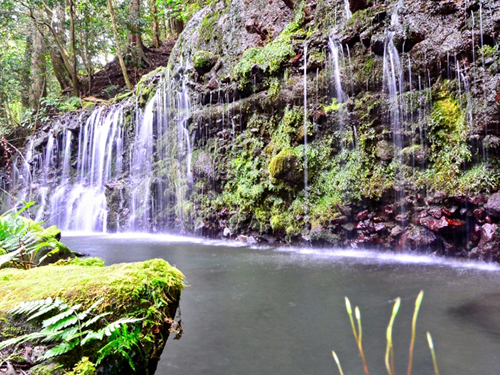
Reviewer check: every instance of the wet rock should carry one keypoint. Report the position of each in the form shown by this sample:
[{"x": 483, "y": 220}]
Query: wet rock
[
  {"x": 349, "y": 227},
  {"x": 384, "y": 150},
  {"x": 493, "y": 205},
  {"x": 417, "y": 238},
  {"x": 480, "y": 199},
  {"x": 438, "y": 197},
  {"x": 250, "y": 240},
  {"x": 475, "y": 234},
  {"x": 489, "y": 244},
  {"x": 396, "y": 231},
  {"x": 380, "y": 227},
  {"x": 355, "y": 5},
  {"x": 362, "y": 215},
  {"x": 388, "y": 210},
  {"x": 436, "y": 212},
  {"x": 438, "y": 225},
  {"x": 480, "y": 213},
  {"x": 346, "y": 210}
]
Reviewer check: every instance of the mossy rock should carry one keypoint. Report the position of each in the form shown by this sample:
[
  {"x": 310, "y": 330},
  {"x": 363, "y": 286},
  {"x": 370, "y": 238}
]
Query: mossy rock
[
  {"x": 149, "y": 290},
  {"x": 286, "y": 166},
  {"x": 203, "y": 61}
]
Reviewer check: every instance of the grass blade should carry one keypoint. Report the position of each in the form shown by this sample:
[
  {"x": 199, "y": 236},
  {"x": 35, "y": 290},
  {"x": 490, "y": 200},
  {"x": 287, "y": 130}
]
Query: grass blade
[
  {"x": 389, "y": 349},
  {"x": 337, "y": 362},
  {"x": 433, "y": 353},
  {"x": 360, "y": 339},
  {"x": 418, "y": 302}
]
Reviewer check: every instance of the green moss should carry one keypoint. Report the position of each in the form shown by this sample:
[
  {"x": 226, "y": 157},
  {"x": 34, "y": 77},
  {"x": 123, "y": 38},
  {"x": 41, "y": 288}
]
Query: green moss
[
  {"x": 269, "y": 58},
  {"x": 274, "y": 88},
  {"x": 280, "y": 164},
  {"x": 120, "y": 283},
  {"x": 84, "y": 367},
  {"x": 204, "y": 60},
  {"x": 47, "y": 369},
  {"x": 87, "y": 262},
  {"x": 335, "y": 106},
  {"x": 447, "y": 134}
]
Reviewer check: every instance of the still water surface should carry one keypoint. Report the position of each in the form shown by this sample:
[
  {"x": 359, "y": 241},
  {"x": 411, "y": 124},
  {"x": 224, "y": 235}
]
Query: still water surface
[{"x": 265, "y": 311}]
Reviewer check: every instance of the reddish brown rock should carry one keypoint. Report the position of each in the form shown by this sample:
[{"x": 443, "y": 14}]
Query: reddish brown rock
[
  {"x": 493, "y": 205},
  {"x": 362, "y": 215},
  {"x": 436, "y": 212},
  {"x": 388, "y": 210},
  {"x": 417, "y": 238},
  {"x": 489, "y": 244},
  {"x": 479, "y": 199},
  {"x": 480, "y": 213},
  {"x": 438, "y": 225}
]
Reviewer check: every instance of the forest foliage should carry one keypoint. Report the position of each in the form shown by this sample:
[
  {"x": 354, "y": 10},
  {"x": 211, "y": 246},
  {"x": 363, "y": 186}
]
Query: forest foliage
[{"x": 51, "y": 50}]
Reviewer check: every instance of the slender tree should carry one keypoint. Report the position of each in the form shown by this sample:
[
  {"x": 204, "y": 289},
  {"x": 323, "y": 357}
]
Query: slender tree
[{"x": 117, "y": 43}]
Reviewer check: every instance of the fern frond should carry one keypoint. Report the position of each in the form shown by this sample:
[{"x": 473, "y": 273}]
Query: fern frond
[
  {"x": 21, "y": 339},
  {"x": 88, "y": 323},
  {"x": 57, "y": 304},
  {"x": 55, "y": 319},
  {"x": 61, "y": 323},
  {"x": 57, "y": 350},
  {"x": 83, "y": 315},
  {"x": 31, "y": 307},
  {"x": 92, "y": 335},
  {"x": 111, "y": 327}
]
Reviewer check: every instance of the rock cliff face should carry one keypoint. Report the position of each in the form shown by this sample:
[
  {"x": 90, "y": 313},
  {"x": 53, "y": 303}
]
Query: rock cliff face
[{"x": 332, "y": 122}]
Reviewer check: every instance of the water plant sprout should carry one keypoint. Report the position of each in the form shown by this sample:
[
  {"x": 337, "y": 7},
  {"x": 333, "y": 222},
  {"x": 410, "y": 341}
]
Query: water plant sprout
[{"x": 389, "y": 354}]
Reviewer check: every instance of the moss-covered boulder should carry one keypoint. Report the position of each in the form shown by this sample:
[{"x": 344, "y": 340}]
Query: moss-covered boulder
[
  {"x": 287, "y": 167},
  {"x": 149, "y": 291}
]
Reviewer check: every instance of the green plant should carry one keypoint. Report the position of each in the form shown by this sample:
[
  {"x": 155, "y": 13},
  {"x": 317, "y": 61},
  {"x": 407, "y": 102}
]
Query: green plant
[
  {"x": 389, "y": 354},
  {"x": 70, "y": 328},
  {"x": 23, "y": 242}
]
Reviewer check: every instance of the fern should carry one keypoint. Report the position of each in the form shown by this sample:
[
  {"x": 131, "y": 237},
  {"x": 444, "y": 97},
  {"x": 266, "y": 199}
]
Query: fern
[{"x": 70, "y": 328}]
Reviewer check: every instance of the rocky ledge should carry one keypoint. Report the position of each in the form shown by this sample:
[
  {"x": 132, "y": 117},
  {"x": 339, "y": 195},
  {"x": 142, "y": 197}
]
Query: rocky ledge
[{"x": 145, "y": 294}]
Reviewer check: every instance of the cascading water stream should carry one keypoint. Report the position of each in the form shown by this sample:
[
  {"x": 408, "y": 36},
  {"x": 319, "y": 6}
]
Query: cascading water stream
[
  {"x": 306, "y": 173},
  {"x": 393, "y": 81}
]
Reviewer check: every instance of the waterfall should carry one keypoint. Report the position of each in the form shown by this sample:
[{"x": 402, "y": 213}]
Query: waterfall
[
  {"x": 393, "y": 82},
  {"x": 348, "y": 13},
  {"x": 306, "y": 175},
  {"x": 338, "y": 63},
  {"x": 129, "y": 160}
]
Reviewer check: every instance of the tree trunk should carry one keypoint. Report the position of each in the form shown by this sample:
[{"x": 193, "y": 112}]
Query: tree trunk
[
  {"x": 156, "y": 26},
  {"x": 74, "y": 72},
  {"x": 64, "y": 54},
  {"x": 136, "y": 45},
  {"x": 117, "y": 41},
  {"x": 59, "y": 69},
  {"x": 26, "y": 75},
  {"x": 38, "y": 70}
]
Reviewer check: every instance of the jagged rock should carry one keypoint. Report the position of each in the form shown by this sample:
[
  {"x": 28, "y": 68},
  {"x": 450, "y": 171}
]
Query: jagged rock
[
  {"x": 362, "y": 215},
  {"x": 493, "y": 205},
  {"x": 489, "y": 244},
  {"x": 418, "y": 238},
  {"x": 438, "y": 225}
]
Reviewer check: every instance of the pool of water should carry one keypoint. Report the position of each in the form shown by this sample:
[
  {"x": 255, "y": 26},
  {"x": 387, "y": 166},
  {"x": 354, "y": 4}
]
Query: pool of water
[{"x": 280, "y": 311}]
